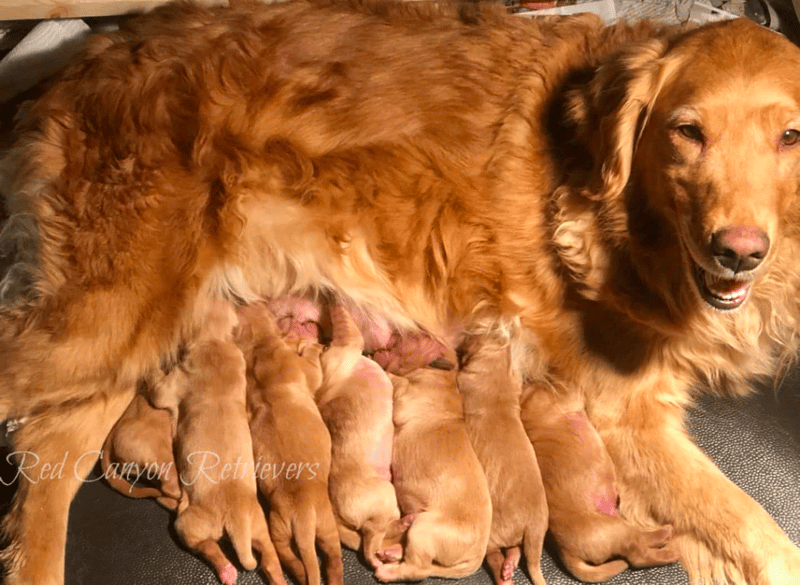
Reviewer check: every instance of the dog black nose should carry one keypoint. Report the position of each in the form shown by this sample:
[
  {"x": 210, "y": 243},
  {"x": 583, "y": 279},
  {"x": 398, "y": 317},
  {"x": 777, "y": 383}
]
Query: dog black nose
[{"x": 739, "y": 248}]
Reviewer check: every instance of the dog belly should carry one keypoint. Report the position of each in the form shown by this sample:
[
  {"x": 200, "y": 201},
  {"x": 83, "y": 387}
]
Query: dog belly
[{"x": 278, "y": 265}]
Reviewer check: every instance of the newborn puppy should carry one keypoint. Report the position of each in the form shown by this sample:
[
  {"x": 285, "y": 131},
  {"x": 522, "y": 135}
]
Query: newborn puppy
[
  {"x": 492, "y": 415},
  {"x": 580, "y": 484},
  {"x": 440, "y": 485},
  {"x": 214, "y": 453},
  {"x": 291, "y": 444},
  {"x": 140, "y": 443},
  {"x": 355, "y": 401}
]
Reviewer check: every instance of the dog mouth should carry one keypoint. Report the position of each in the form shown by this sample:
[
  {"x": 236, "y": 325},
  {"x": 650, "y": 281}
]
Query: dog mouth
[{"x": 719, "y": 292}]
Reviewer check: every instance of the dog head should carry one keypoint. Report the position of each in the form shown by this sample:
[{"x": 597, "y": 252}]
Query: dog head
[{"x": 697, "y": 158}]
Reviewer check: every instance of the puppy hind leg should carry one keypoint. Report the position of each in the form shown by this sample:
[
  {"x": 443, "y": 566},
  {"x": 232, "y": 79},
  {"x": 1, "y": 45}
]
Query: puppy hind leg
[
  {"x": 262, "y": 543},
  {"x": 211, "y": 551},
  {"x": 328, "y": 541},
  {"x": 392, "y": 546},
  {"x": 371, "y": 540},
  {"x": 496, "y": 562},
  {"x": 281, "y": 532},
  {"x": 56, "y": 450}
]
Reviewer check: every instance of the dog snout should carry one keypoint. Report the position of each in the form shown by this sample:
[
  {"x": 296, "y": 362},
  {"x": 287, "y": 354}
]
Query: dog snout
[{"x": 739, "y": 248}]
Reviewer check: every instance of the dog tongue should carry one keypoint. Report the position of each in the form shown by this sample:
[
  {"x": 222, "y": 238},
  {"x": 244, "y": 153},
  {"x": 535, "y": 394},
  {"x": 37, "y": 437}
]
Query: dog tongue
[{"x": 723, "y": 286}]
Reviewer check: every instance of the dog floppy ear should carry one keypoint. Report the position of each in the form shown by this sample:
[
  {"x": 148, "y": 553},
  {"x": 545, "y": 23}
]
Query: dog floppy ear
[{"x": 611, "y": 111}]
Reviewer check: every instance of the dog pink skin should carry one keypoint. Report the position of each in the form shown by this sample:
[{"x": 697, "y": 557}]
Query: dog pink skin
[{"x": 395, "y": 352}]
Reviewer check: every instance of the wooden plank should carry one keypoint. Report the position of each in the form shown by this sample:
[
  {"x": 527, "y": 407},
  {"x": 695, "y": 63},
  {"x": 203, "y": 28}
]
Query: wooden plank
[{"x": 38, "y": 9}]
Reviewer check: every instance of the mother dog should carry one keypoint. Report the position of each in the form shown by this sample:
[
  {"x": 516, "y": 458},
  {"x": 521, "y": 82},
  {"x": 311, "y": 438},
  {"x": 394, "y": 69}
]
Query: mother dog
[{"x": 622, "y": 200}]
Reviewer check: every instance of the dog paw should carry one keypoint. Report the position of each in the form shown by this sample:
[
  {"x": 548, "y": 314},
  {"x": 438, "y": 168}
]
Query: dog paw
[
  {"x": 228, "y": 574},
  {"x": 387, "y": 572},
  {"x": 393, "y": 553},
  {"x": 509, "y": 565}
]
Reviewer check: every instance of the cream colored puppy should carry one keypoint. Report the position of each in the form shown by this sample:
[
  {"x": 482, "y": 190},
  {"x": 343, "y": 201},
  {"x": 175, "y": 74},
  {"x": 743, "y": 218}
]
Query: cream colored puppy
[
  {"x": 440, "y": 485},
  {"x": 214, "y": 453},
  {"x": 355, "y": 401},
  {"x": 491, "y": 399}
]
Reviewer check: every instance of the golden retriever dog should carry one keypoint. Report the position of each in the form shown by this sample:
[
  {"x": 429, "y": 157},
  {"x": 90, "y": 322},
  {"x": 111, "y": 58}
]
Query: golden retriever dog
[
  {"x": 441, "y": 488},
  {"x": 621, "y": 198},
  {"x": 491, "y": 398},
  {"x": 140, "y": 445},
  {"x": 595, "y": 543},
  {"x": 214, "y": 452},
  {"x": 291, "y": 445},
  {"x": 355, "y": 400}
]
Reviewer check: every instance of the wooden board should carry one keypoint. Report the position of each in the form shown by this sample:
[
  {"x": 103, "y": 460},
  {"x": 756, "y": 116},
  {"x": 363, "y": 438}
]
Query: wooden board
[{"x": 37, "y": 9}]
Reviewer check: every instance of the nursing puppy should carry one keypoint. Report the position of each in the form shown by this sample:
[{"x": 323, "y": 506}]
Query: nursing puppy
[
  {"x": 441, "y": 167},
  {"x": 594, "y": 541},
  {"x": 141, "y": 443},
  {"x": 491, "y": 397},
  {"x": 355, "y": 401},
  {"x": 287, "y": 430},
  {"x": 214, "y": 453},
  {"x": 440, "y": 485}
]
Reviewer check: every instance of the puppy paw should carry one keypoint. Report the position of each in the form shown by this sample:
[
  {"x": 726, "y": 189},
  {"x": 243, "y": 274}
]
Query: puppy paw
[
  {"x": 387, "y": 572},
  {"x": 509, "y": 565},
  {"x": 228, "y": 574},
  {"x": 393, "y": 553}
]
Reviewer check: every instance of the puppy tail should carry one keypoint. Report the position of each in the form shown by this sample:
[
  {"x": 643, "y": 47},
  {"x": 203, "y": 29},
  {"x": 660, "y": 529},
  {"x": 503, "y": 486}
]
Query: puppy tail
[
  {"x": 240, "y": 532},
  {"x": 591, "y": 573},
  {"x": 345, "y": 332},
  {"x": 305, "y": 529},
  {"x": 532, "y": 544}
]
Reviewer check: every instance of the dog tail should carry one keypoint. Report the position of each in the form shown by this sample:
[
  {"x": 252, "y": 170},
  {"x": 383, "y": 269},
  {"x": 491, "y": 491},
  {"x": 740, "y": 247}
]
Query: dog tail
[
  {"x": 305, "y": 530},
  {"x": 591, "y": 573},
  {"x": 532, "y": 544},
  {"x": 240, "y": 532},
  {"x": 345, "y": 332}
]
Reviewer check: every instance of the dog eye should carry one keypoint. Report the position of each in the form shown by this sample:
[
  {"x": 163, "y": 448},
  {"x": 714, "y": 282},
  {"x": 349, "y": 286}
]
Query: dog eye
[
  {"x": 790, "y": 137},
  {"x": 691, "y": 132}
]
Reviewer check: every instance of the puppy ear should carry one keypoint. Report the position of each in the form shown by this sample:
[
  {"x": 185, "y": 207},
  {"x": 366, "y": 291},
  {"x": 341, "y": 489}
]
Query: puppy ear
[{"x": 612, "y": 109}]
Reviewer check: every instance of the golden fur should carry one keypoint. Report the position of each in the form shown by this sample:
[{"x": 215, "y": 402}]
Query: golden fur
[
  {"x": 491, "y": 397},
  {"x": 288, "y": 433},
  {"x": 214, "y": 453},
  {"x": 440, "y": 484},
  {"x": 142, "y": 441},
  {"x": 594, "y": 541},
  {"x": 440, "y": 166},
  {"x": 355, "y": 401}
]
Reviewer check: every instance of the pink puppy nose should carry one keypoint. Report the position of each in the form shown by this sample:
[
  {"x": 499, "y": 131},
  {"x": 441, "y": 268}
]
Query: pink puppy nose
[{"x": 739, "y": 248}]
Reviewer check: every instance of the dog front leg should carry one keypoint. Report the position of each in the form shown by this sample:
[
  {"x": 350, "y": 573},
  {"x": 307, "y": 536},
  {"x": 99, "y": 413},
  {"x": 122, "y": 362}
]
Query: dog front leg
[
  {"x": 722, "y": 533},
  {"x": 55, "y": 451}
]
